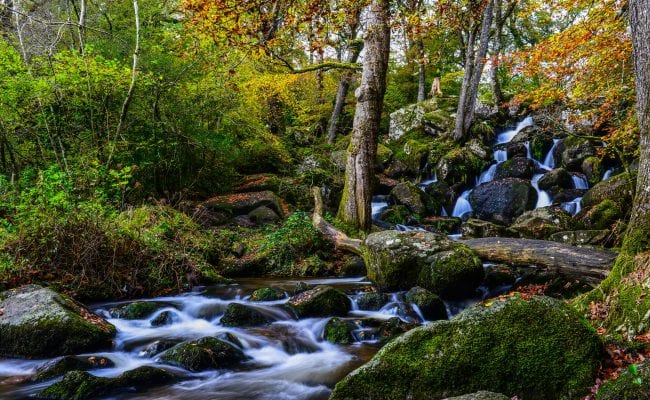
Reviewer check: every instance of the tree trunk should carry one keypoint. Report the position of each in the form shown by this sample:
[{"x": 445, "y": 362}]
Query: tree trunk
[
  {"x": 355, "y": 209},
  {"x": 496, "y": 53},
  {"x": 342, "y": 94},
  {"x": 422, "y": 77},
  {"x": 472, "y": 76}
]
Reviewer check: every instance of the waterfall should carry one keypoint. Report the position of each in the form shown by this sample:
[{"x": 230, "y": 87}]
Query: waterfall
[
  {"x": 543, "y": 198},
  {"x": 378, "y": 204},
  {"x": 507, "y": 136},
  {"x": 573, "y": 207},
  {"x": 462, "y": 205},
  {"x": 608, "y": 174},
  {"x": 549, "y": 160},
  {"x": 580, "y": 181}
]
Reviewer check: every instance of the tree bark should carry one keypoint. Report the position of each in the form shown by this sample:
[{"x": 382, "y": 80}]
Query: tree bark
[
  {"x": 342, "y": 94},
  {"x": 588, "y": 264},
  {"x": 474, "y": 63},
  {"x": 340, "y": 239},
  {"x": 422, "y": 73},
  {"x": 496, "y": 53},
  {"x": 355, "y": 209}
]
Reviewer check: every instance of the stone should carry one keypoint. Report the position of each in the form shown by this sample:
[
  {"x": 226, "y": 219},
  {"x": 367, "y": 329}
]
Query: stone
[
  {"x": 59, "y": 366},
  {"x": 476, "y": 228},
  {"x": 38, "y": 322},
  {"x": 339, "y": 331},
  {"x": 601, "y": 216},
  {"x": 163, "y": 319},
  {"x": 267, "y": 294},
  {"x": 321, "y": 301},
  {"x": 431, "y": 306},
  {"x": 237, "y": 314},
  {"x": 555, "y": 180},
  {"x": 518, "y": 167},
  {"x": 458, "y": 166},
  {"x": 541, "y": 222},
  {"x": 572, "y": 151},
  {"x": 243, "y": 203},
  {"x": 503, "y": 200},
  {"x": 401, "y": 260},
  {"x": 203, "y": 354},
  {"x": 481, "y": 395},
  {"x": 582, "y": 237},
  {"x": 264, "y": 215},
  {"x": 372, "y": 301},
  {"x": 418, "y": 202},
  {"x": 135, "y": 310},
  {"x": 619, "y": 188},
  {"x": 550, "y": 349}
]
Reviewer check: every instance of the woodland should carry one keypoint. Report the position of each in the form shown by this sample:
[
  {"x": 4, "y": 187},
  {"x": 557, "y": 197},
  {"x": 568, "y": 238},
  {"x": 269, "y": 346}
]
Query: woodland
[{"x": 311, "y": 199}]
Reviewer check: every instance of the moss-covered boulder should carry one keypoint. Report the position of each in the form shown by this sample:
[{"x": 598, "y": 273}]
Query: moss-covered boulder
[
  {"x": 477, "y": 228},
  {"x": 238, "y": 314},
  {"x": 480, "y": 395},
  {"x": 135, "y": 310},
  {"x": 417, "y": 202},
  {"x": 339, "y": 331},
  {"x": 593, "y": 169},
  {"x": 499, "y": 276},
  {"x": 321, "y": 301},
  {"x": 80, "y": 385},
  {"x": 243, "y": 203},
  {"x": 203, "y": 354},
  {"x": 458, "y": 166},
  {"x": 59, "y": 366},
  {"x": 533, "y": 347},
  {"x": 372, "y": 301},
  {"x": 633, "y": 384},
  {"x": 163, "y": 319},
  {"x": 572, "y": 151},
  {"x": 541, "y": 222},
  {"x": 401, "y": 260},
  {"x": 263, "y": 215},
  {"x": 619, "y": 188},
  {"x": 38, "y": 322},
  {"x": 431, "y": 306},
  {"x": 503, "y": 200},
  {"x": 267, "y": 294},
  {"x": 601, "y": 216},
  {"x": 556, "y": 180},
  {"x": 518, "y": 167},
  {"x": 391, "y": 328}
]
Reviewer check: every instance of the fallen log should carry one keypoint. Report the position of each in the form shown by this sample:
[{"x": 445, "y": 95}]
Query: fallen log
[
  {"x": 340, "y": 239},
  {"x": 589, "y": 264}
]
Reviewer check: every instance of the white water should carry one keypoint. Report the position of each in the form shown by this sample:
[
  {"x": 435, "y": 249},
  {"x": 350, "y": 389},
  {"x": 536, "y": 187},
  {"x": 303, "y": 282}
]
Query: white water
[
  {"x": 580, "y": 181},
  {"x": 573, "y": 207},
  {"x": 549, "y": 160},
  {"x": 378, "y": 204},
  {"x": 543, "y": 198},
  {"x": 607, "y": 174},
  {"x": 462, "y": 204},
  {"x": 507, "y": 136}
]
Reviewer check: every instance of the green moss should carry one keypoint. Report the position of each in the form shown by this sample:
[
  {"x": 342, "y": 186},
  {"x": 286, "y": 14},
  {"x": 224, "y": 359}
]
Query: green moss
[
  {"x": 633, "y": 384},
  {"x": 202, "y": 354},
  {"x": 536, "y": 349},
  {"x": 242, "y": 315},
  {"x": 135, "y": 310},
  {"x": 603, "y": 215},
  {"x": 339, "y": 331},
  {"x": 396, "y": 214},
  {"x": 322, "y": 301},
  {"x": 267, "y": 294},
  {"x": 453, "y": 273},
  {"x": 430, "y": 305}
]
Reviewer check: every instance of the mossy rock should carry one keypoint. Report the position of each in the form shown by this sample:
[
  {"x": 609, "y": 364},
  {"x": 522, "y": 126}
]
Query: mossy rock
[
  {"x": 601, "y": 216},
  {"x": 237, "y": 314},
  {"x": 158, "y": 347},
  {"x": 80, "y": 385},
  {"x": 480, "y": 395},
  {"x": 203, "y": 354},
  {"x": 339, "y": 331},
  {"x": 60, "y": 366},
  {"x": 542, "y": 222},
  {"x": 163, "y": 319},
  {"x": 572, "y": 151},
  {"x": 499, "y": 276},
  {"x": 633, "y": 384},
  {"x": 431, "y": 306},
  {"x": 619, "y": 188},
  {"x": 593, "y": 169},
  {"x": 417, "y": 202},
  {"x": 322, "y": 301},
  {"x": 533, "y": 347},
  {"x": 503, "y": 200},
  {"x": 476, "y": 228},
  {"x": 135, "y": 310},
  {"x": 398, "y": 214},
  {"x": 384, "y": 155},
  {"x": 391, "y": 328},
  {"x": 458, "y": 166},
  {"x": 267, "y": 294},
  {"x": 38, "y": 322},
  {"x": 372, "y": 301},
  {"x": 518, "y": 167},
  {"x": 445, "y": 225},
  {"x": 401, "y": 260}
]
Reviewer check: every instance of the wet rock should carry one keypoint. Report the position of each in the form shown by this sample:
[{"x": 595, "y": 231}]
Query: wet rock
[
  {"x": 267, "y": 294},
  {"x": 503, "y": 200},
  {"x": 393, "y": 327},
  {"x": 481, "y": 395},
  {"x": 401, "y": 260},
  {"x": 515, "y": 150},
  {"x": 135, "y": 310},
  {"x": 556, "y": 180},
  {"x": 242, "y": 315},
  {"x": 593, "y": 169},
  {"x": 418, "y": 202},
  {"x": 458, "y": 166},
  {"x": 518, "y": 167},
  {"x": 263, "y": 215},
  {"x": 203, "y": 354},
  {"x": 61, "y": 365},
  {"x": 499, "y": 276},
  {"x": 476, "y": 228},
  {"x": 539, "y": 142},
  {"x": 353, "y": 266},
  {"x": 385, "y": 184},
  {"x": 302, "y": 286},
  {"x": 446, "y": 225},
  {"x": 158, "y": 347},
  {"x": 162, "y": 319},
  {"x": 430, "y": 305},
  {"x": 372, "y": 301},
  {"x": 583, "y": 237},
  {"x": 443, "y": 194},
  {"x": 38, "y": 322},
  {"x": 243, "y": 203},
  {"x": 601, "y": 216},
  {"x": 567, "y": 195},
  {"x": 542, "y": 222},
  {"x": 339, "y": 331},
  {"x": 572, "y": 151},
  {"x": 322, "y": 301},
  {"x": 619, "y": 188},
  {"x": 230, "y": 338},
  {"x": 80, "y": 385},
  {"x": 553, "y": 352},
  {"x": 397, "y": 169}
]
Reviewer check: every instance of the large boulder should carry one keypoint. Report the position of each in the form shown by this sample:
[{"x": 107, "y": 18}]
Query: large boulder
[
  {"x": 401, "y": 260},
  {"x": 243, "y": 203},
  {"x": 619, "y": 188},
  {"x": 237, "y": 314},
  {"x": 536, "y": 348},
  {"x": 38, "y": 322},
  {"x": 61, "y": 365},
  {"x": 541, "y": 222},
  {"x": 80, "y": 385},
  {"x": 321, "y": 301},
  {"x": 203, "y": 354},
  {"x": 539, "y": 141},
  {"x": 339, "y": 331},
  {"x": 518, "y": 167},
  {"x": 431, "y": 306},
  {"x": 556, "y": 180},
  {"x": 267, "y": 294},
  {"x": 458, "y": 166},
  {"x": 572, "y": 151},
  {"x": 504, "y": 200},
  {"x": 418, "y": 202},
  {"x": 372, "y": 300},
  {"x": 477, "y": 228},
  {"x": 404, "y": 120}
]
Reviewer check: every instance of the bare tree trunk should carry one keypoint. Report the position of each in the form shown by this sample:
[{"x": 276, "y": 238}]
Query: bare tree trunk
[
  {"x": 498, "y": 38},
  {"x": 355, "y": 207},
  {"x": 422, "y": 77},
  {"x": 81, "y": 26},
  {"x": 473, "y": 72},
  {"x": 341, "y": 94}
]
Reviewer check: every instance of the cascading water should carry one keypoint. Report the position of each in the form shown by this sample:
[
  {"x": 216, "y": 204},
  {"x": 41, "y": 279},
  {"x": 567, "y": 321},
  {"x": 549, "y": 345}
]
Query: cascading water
[
  {"x": 543, "y": 198},
  {"x": 462, "y": 205},
  {"x": 573, "y": 207},
  {"x": 549, "y": 160},
  {"x": 506, "y": 136},
  {"x": 580, "y": 181},
  {"x": 378, "y": 204}
]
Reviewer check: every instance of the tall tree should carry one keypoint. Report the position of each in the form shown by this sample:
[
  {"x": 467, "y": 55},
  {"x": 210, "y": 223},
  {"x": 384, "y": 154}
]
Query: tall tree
[
  {"x": 474, "y": 63},
  {"x": 355, "y": 207}
]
